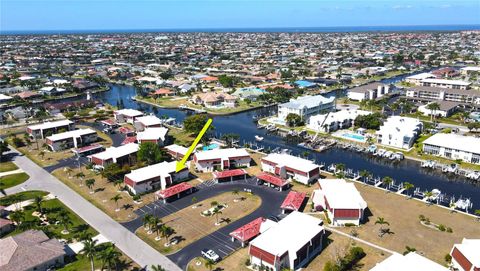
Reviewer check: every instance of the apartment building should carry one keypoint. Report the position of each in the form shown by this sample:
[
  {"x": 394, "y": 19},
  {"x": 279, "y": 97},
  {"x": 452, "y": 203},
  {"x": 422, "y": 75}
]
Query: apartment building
[
  {"x": 287, "y": 166},
  {"x": 453, "y": 146},
  {"x": 422, "y": 93},
  {"x": 306, "y": 106},
  {"x": 399, "y": 132},
  {"x": 221, "y": 159},
  {"x": 49, "y": 128},
  {"x": 370, "y": 91},
  {"x": 71, "y": 139}
]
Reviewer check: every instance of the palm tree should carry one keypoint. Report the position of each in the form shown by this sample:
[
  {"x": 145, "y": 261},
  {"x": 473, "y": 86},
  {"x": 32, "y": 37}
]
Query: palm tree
[
  {"x": 42, "y": 154},
  {"x": 38, "y": 204},
  {"x": 433, "y": 107},
  {"x": 147, "y": 220},
  {"x": 167, "y": 232},
  {"x": 235, "y": 193},
  {"x": 387, "y": 180},
  {"x": 18, "y": 217},
  {"x": 69, "y": 171},
  {"x": 477, "y": 213},
  {"x": 109, "y": 257},
  {"x": 381, "y": 221},
  {"x": 216, "y": 212},
  {"x": 340, "y": 167},
  {"x": 209, "y": 264},
  {"x": 156, "y": 228},
  {"x": 365, "y": 174},
  {"x": 214, "y": 203},
  {"x": 407, "y": 186},
  {"x": 116, "y": 198},
  {"x": 157, "y": 268},
  {"x": 64, "y": 220},
  {"x": 90, "y": 251},
  {"x": 90, "y": 184}
]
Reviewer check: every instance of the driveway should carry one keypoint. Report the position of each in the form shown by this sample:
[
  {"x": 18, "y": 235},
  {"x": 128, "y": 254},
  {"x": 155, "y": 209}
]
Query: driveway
[
  {"x": 125, "y": 240},
  {"x": 219, "y": 241}
]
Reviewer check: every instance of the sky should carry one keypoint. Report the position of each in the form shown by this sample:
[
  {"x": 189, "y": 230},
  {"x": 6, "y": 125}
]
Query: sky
[{"x": 18, "y": 15}]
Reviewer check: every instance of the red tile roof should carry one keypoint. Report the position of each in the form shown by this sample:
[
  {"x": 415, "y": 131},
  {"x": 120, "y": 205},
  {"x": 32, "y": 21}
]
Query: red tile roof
[
  {"x": 129, "y": 139},
  {"x": 88, "y": 148},
  {"x": 108, "y": 122},
  {"x": 249, "y": 230},
  {"x": 173, "y": 190},
  {"x": 272, "y": 179},
  {"x": 229, "y": 173},
  {"x": 293, "y": 201},
  {"x": 125, "y": 130}
]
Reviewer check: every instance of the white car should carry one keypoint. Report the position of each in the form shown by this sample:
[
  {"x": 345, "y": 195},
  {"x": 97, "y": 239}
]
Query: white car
[{"x": 210, "y": 254}]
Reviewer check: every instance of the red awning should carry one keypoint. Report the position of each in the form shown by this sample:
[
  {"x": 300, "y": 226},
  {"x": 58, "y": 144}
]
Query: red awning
[
  {"x": 173, "y": 190},
  {"x": 248, "y": 231},
  {"x": 293, "y": 201},
  {"x": 272, "y": 179},
  {"x": 229, "y": 173}
]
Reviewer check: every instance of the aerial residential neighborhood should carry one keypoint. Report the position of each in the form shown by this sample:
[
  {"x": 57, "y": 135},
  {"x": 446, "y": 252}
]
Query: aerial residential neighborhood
[{"x": 177, "y": 136}]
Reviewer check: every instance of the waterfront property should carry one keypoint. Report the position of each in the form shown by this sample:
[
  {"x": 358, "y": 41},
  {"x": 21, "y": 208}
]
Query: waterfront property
[
  {"x": 287, "y": 166},
  {"x": 424, "y": 93},
  {"x": 333, "y": 121},
  {"x": 446, "y": 109},
  {"x": 125, "y": 154},
  {"x": 366, "y": 92},
  {"x": 290, "y": 244},
  {"x": 31, "y": 250},
  {"x": 127, "y": 115},
  {"x": 411, "y": 261},
  {"x": 71, "y": 139},
  {"x": 49, "y": 128},
  {"x": 399, "y": 132},
  {"x": 221, "y": 159},
  {"x": 156, "y": 135},
  {"x": 306, "y": 107},
  {"x": 214, "y": 100},
  {"x": 341, "y": 200},
  {"x": 466, "y": 256},
  {"x": 153, "y": 177},
  {"x": 417, "y": 79},
  {"x": 453, "y": 146},
  {"x": 144, "y": 122}
]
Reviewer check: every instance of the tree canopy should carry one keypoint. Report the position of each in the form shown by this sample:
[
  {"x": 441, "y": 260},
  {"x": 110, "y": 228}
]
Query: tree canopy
[
  {"x": 194, "y": 124},
  {"x": 150, "y": 153},
  {"x": 294, "y": 120},
  {"x": 372, "y": 121}
]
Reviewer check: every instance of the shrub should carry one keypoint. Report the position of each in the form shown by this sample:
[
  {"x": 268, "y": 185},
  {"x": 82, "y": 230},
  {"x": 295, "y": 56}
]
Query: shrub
[
  {"x": 349, "y": 225},
  {"x": 247, "y": 262},
  {"x": 448, "y": 258},
  {"x": 427, "y": 221},
  {"x": 136, "y": 197},
  {"x": 17, "y": 142},
  {"x": 327, "y": 218},
  {"x": 421, "y": 217},
  {"x": 449, "y": 230},
  {"x": 441, "y": 227}
]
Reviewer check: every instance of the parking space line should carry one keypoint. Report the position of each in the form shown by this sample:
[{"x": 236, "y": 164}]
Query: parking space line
[{"x": 148, "y": 207}]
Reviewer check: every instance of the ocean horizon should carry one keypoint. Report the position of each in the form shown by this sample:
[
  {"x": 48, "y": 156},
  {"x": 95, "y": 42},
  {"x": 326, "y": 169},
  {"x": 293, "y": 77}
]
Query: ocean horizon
[{"x": 325, "y": 29}]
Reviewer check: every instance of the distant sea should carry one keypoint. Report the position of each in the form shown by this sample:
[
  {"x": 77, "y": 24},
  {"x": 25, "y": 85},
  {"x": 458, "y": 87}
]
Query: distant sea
[{"x": 332, "y": 29}]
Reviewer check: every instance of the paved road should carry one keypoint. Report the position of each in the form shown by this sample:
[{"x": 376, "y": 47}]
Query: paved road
[
  {"x": 125, "y": 240},
  {"x": 219, "y": 240}
]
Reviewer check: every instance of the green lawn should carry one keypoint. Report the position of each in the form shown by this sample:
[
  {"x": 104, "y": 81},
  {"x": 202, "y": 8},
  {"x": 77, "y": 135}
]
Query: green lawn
[
  {"x": 7, "y": 166},
  {"x": 13, "y": 180},
  {"x": 11, "y": 199},
  {"x": 52, "y": 209}
]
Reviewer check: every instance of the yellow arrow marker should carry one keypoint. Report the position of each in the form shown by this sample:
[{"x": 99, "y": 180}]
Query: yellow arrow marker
[{"x": 181, "y": 164}]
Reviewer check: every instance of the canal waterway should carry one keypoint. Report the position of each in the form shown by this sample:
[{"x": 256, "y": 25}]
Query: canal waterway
[{"x": 243, "y": 125}]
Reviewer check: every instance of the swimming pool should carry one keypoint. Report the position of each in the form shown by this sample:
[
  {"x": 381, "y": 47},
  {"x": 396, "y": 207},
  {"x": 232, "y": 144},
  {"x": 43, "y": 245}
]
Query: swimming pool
[
  {"x": 210, "y": 147},
  {"x": 354, "y": 136}
]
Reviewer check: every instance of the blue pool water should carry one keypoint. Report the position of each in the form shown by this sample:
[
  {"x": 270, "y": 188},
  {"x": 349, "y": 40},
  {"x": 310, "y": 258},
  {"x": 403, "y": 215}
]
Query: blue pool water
[
  {"x": 354, "y": 136},
  {"x": 210, "y": 147}
]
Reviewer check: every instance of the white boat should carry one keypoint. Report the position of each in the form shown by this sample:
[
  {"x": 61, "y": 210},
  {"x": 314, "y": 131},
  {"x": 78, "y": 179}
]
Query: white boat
[
  {"x": 380, "y": 152},
  {"x": 387, "y": 154},
  {"x": 258, "y": 138}
]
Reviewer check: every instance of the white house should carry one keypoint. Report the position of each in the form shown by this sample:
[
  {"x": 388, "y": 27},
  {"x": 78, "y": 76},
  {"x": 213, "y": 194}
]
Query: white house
[
  {"x": 399, "y": 132},
  {"x": 334, "y": 120},
  {"x": 153, "y": 177},
  {"x": 125, "y": 154},
  {"x": 156, "y": 135},
  {"x": 466, "y": 256},
  {"x": 341, "y": 200},
  {"x": 411, "y": 262},
  {"x": 417, "y": 78},
  {"x": 370, "y": 91},
  {"x": 127, "y": 115},
  {"x": 290, "y": 243},
  {"x": 49, "y": 128},
  {"x": 287, "y": 166},
  {"x": 445, "y": 83},
  {"x": 71, "y": 139},
  {"x": 220, "y": 159},
  {"x": 446, "y": 109},
  {"x": 143, "y": 122},
  {"x": 454, "y": 146},
  {"x": 176, "y": 151},
  {"x": 306, "y": 106}
]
